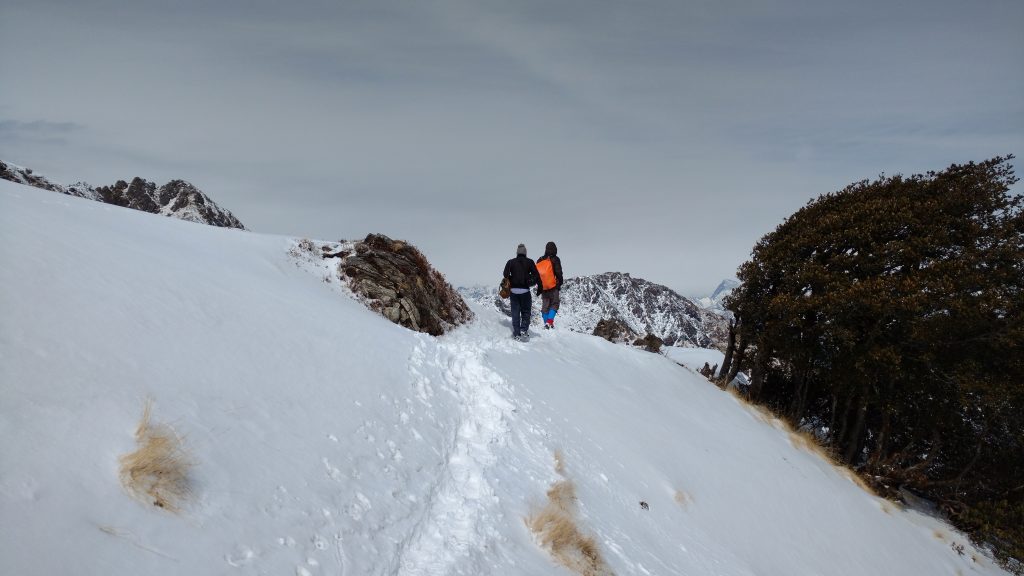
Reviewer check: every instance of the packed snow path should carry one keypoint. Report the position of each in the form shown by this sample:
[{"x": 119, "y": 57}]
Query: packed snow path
[
  {"x": 462, "y": 496},
  {"x": 328, "y": 441}
]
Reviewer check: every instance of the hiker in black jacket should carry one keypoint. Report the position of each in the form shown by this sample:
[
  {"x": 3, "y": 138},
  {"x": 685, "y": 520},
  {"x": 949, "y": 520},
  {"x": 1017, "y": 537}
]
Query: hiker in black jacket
[
  {"x": 521, "y": 273},
  {"x": 549, "y": 267}
]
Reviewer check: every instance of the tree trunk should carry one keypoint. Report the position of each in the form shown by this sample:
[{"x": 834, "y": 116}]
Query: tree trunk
[
  {"x": 832, "y": 417},
  {"x": 844, "y": 422},
  {"x": 857, "y": 434},
  {"x": 729, "y": 350},
  {"x": 796, "y": 407},
  {"x": 757, "y": 372},
  {"x": 737, "y": 362},
  {"x": 882, "y": 444}
]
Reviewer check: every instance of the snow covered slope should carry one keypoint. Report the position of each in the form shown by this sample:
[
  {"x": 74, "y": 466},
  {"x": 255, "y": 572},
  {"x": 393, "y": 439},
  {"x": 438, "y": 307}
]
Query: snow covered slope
[{"x": 326, "y": 440}]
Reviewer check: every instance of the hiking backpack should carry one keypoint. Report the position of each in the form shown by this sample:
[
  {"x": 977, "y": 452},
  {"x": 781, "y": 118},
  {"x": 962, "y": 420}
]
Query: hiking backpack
[{"x": 547, "y": 274}]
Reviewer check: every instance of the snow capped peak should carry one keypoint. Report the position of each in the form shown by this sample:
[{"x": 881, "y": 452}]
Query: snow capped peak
[
  {"x": 715, "y": 303},
  {"x": 724, "y": 288}
]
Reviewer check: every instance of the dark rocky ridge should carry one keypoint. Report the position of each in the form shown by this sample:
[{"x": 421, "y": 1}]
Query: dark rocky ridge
[
  {"x": 177, "y": 198},
  {"x": 396, "y": 280},
  {"x": 26, "y": 176}
]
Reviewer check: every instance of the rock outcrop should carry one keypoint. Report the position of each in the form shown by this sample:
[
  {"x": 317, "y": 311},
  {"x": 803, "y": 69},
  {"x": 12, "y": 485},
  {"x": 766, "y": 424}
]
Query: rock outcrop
[
  {"x": 614, "y": 330},
  {"x": 395, "y": 279},
  {"x": 650, "y": 342}
]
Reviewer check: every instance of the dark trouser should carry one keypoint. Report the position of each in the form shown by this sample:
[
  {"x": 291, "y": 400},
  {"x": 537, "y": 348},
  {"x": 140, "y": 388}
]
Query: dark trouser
[
  {"x": 549, "y": 304},
  {"x": 521, "y": 309}
]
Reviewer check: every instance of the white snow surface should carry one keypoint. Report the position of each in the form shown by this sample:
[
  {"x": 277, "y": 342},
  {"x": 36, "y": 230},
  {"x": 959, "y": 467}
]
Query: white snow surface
[{"x": 326, "y": 440}]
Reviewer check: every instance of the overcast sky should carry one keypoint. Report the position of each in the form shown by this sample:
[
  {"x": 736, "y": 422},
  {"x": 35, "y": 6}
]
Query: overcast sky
[{"x": 657, "y": 138}]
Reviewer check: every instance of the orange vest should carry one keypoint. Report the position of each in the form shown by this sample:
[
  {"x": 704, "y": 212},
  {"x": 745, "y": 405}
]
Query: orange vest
[{"x": 547, "y": 274}]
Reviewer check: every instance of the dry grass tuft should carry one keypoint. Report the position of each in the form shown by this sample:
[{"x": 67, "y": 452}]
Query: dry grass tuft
[
  {"x": 760, "y": 412},
  {"x": 555, "y": 526},
  {"x": 805, "y": 440},
  {"x": 157, "y": 472},
  {"x": 559, "y": 463},
  {"x": 857, "y": 479},
  {"x": 887, "y": 506},
  {"x": 682, "y": 498}
]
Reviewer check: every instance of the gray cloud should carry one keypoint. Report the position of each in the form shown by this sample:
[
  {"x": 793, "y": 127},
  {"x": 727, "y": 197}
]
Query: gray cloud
[
  {"x": 13, "y": 132},
  {"x": 660, "y": 138}
]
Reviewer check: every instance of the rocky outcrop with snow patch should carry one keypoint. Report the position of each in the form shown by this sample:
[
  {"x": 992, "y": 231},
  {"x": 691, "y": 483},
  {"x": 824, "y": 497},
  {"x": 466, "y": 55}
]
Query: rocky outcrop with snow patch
[
  {"x": 395, "y": 279},
  {"x": 22, "y": 175},
  {"x": 177, "y": 198}
]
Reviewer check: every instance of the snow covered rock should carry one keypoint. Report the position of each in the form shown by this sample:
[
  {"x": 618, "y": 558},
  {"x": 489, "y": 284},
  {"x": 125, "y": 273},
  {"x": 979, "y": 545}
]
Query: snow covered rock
[
  {"x": 177, "y": 198},
  {"x": 22, "y": 175},
  {"x": 397, "y": 280}
]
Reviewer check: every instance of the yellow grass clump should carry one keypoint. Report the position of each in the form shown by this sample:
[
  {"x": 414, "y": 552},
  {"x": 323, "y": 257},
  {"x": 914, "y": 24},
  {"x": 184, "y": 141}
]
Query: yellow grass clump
[
  {"x": 157, "y": 472},
  {"x": 555, "y": 526},
  {"x": 682, "y": 498},
  {"x": 805, "y": 440},
  {"x": 559, "y": 463}
]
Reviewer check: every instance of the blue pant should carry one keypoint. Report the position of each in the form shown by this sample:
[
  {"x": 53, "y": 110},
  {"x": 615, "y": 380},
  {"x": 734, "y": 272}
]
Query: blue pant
[{"x": 522, "y": 307}]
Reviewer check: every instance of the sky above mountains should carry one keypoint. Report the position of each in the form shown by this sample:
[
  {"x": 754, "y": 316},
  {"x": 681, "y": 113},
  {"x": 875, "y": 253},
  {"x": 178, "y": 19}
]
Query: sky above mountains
[{"x": 658, "y": 138}]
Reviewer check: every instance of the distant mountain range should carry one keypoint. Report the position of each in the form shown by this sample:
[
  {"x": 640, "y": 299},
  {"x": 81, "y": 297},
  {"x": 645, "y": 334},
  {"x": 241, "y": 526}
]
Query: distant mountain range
[
  {"x": 643, "y": 306},
  {"x": 177, "y": 198}
]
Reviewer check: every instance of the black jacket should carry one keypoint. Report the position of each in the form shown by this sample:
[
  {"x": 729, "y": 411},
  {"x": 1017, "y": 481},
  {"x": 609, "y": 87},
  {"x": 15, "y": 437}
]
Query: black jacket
[{"x": 521, "y": 272}]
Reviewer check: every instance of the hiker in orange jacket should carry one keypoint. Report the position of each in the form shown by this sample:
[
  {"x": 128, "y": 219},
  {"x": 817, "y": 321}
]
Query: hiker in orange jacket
[{"x": 549, "y": 267}]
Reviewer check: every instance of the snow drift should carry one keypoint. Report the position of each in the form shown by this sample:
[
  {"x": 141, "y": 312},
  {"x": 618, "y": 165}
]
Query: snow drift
[{"x": 323, "y": 439}]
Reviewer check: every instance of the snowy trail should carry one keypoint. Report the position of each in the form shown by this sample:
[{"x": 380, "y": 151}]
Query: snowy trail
[{"x": 463, "y": 496}]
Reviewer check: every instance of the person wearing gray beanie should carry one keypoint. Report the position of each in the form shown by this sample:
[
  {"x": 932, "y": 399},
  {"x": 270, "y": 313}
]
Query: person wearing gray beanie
[{"x": 521, "y": 273}]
